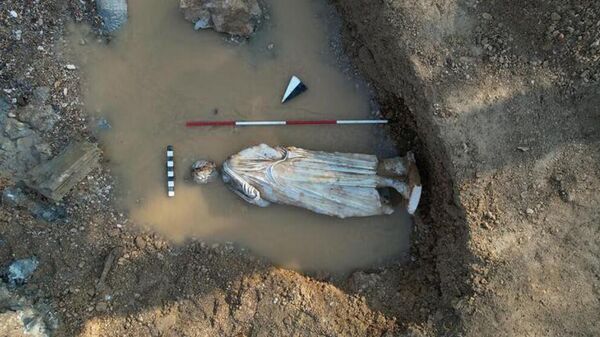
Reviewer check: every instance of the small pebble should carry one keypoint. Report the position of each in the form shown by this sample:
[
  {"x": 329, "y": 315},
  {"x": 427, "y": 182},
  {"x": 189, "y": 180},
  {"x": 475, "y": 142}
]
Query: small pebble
[
  {"x": 101, "y": 306},
  {"x": 555, "y": 16},
  {"x": 486, "y": 16},
  {"x": 13, "y": 14},
  {"x": 70, "y": 67},
  {"x": 529, "y": 211}
]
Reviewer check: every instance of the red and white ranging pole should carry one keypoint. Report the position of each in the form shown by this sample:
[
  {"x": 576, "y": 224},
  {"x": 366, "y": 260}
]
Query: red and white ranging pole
[{"x": 288, "y": 122}]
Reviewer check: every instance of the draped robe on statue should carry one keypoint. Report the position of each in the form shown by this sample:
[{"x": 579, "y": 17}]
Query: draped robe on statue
[{"x": 337, "y": 184}]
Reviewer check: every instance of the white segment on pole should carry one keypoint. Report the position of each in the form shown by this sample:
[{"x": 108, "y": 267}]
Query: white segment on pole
[
  {"x": 362, "y": 121},
  {"x": 248, "y": 123}
]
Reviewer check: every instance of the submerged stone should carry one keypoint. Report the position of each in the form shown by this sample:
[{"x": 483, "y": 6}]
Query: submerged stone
[
  {"x": 103, "y": 124},
  {"x": 235, "y": 17},
  {"x": 113, "y": 14}
]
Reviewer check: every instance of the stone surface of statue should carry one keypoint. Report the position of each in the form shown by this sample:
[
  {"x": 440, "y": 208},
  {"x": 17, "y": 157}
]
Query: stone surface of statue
[{"x": 331, "y": 183}]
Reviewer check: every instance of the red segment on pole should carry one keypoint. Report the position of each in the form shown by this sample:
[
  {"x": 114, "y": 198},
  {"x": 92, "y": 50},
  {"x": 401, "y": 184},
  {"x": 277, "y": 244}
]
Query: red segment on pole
[
  {"x": 210, "y": 123},
  {"x": 300, "y": 122}
]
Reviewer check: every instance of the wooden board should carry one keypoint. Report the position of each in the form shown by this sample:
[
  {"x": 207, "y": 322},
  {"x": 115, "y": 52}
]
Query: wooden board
[{"x": 56, "y": 177}]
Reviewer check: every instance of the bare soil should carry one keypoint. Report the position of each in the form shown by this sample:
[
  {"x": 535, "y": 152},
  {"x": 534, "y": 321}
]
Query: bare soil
[
  {"x": 499, "y": 99},
  {"x": 504, "y": 97}
]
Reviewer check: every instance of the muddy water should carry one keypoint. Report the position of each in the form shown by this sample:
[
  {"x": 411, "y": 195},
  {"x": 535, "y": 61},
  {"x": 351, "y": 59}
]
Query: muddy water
[{"x": 158, "y": 73}]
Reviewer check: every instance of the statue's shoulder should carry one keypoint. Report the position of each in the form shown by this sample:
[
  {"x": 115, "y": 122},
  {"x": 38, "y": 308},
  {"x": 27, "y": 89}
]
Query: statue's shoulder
[{"x": 259, "y": 152}]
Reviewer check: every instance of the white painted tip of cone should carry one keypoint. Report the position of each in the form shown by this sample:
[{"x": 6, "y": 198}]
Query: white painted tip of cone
[
  {"x": 294, "y": 82},
  {"x": 415, "y": 197}
]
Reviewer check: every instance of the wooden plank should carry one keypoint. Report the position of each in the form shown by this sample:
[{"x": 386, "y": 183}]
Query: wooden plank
[{"x": 56, "y": 177}]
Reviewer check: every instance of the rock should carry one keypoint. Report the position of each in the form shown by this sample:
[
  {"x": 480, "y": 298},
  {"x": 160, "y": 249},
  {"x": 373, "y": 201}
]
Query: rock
[
  {"x": 555, "y": 16},
  {"x": 21, "y": 148},
  {"x": 529, "y": 211},
  {"x": 6, "y": 145},
  {"x": 361, "y": 281},
  {"x": 55, "y": 178},
  {"x": 235, "y": 17},
  {"x": 101, "y": 306},
  {"x": 20, "y": 270},
  {"x": 40, "y": 95},
  {"x": 26, "y": 154},
  {"x": 486, "y": 16},
  {"x": 44, "y": 151},
  {"x": 203, "y": 23},
  {"x": 15, "y": 129},
  {"x": 41, "y": 118},
  {"x": 47, "y": 212},
  {"x": 15, "y": 197},
  {"x": 103, "y": 124},
  {"x": 70, "y": 67},
  {"x": 13, "y": 14},
  {"x": 22, "y": 317},
  {"x": 4, "y": 109},
  {"x": 113, "y": 14},
  {"x": 140, "y": 242}
]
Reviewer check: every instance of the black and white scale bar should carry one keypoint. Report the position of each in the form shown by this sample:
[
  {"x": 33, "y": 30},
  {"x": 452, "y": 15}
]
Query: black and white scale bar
[
  {"x": 294, "y": 88},
  {"x": 170, "y": 172}
]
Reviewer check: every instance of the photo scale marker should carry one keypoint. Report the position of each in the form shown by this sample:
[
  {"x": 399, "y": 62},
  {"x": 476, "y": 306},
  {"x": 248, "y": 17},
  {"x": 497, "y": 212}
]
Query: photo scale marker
[
  {"x": 170, "y": 171},
  {"x": 294, "y": 88}
]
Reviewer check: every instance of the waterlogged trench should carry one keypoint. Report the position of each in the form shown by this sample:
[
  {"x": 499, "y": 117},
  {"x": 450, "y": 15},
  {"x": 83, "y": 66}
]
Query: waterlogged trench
[{"x": 158, "y": 73}]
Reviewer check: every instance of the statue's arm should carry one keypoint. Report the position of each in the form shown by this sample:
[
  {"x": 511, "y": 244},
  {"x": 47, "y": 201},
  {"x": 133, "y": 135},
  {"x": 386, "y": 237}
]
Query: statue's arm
[
  {"x": 251, "y": 195},
  {"x": 243, "y": 189}
]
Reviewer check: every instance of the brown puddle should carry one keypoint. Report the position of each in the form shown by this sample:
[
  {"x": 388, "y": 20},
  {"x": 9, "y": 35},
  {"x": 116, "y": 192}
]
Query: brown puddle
[{"x": 158, "y": 73}]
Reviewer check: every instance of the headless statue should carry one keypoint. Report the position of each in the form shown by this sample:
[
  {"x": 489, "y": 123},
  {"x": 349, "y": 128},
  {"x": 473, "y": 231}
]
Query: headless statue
[{"x": 331, "y": 183}]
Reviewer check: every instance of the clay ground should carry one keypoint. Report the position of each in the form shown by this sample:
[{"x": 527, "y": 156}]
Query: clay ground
[{"x": 500, "y": 100}]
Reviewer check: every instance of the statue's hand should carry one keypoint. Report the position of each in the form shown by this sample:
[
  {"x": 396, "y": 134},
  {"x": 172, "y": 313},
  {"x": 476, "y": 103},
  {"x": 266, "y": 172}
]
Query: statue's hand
[{"x": 252, "y": 195}]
